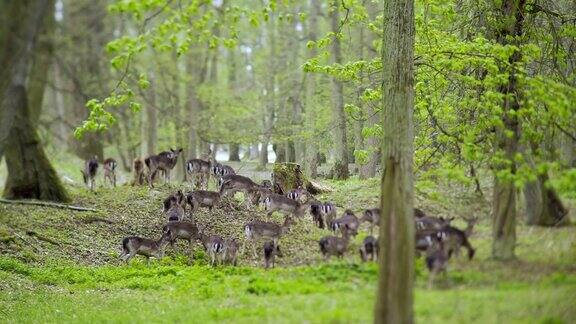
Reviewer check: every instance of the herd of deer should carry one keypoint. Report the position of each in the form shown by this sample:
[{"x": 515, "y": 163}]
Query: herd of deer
[{"x": 435, "y": 236}]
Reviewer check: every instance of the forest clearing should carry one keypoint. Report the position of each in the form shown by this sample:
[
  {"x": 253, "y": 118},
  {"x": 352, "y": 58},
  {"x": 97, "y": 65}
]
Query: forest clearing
[{"x": 301, "y": 161}]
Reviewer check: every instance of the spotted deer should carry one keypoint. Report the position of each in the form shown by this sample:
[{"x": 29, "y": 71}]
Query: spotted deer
[
  {"x": 164, "y": 161},
  {"x": 133, "y": 245},
  {"x": 258, "y": 229},
  {"x": 110, "y": 171},
  {"x": 89, "y": 172}
]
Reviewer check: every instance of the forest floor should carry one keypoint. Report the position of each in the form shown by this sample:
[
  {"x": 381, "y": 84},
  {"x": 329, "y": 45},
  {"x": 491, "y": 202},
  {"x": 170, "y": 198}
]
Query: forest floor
[{"x": 59, "y": 265}]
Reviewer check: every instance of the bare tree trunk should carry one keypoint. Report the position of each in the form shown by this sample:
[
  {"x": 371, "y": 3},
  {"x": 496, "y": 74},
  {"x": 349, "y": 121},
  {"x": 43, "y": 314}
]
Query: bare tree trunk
[
  {"x": 234, "y": 152},
  {"x": 311, "y": 165},
  {"x": 504, "y": 206},
  {"x": 340, "y": 168},
  {"x": 394, "y": 303},
  {"x": 270, "y": 92}
]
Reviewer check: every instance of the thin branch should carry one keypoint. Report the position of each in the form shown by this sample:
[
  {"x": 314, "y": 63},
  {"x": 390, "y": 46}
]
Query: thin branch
[{"x": 46, "y": 204}]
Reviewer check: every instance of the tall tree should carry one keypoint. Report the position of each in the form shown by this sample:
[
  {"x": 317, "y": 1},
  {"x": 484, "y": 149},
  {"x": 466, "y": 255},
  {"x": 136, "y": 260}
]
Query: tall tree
[
  {"x": 509, "y": 31},
  {"x": 30, "y": 174},
  {"x": 340, "y": 168},
  {"x": 395, "y": 288},
  {"x": 311, "y": 162}
]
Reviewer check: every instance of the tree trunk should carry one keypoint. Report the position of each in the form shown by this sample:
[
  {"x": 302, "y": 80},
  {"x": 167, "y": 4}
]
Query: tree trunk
[
  {"x": 543, "y": 205},
  {"x": 504, "y": 206},
  {"x": 311, "y": 165},
  {"x": 30, "y": 175},
  {"x": 234, "y": 152},
  {"x": 270, "y": 92},
  {"x": 19, "y": 29},
  {"x": 254, "y": 152},
  {"x": 394, "y": 303},
  {"x": 340, "y": 168}
]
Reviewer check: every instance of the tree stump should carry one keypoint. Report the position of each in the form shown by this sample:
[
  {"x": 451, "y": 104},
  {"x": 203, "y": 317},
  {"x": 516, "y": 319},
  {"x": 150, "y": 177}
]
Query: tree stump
[{"x": 287, "y": 176}]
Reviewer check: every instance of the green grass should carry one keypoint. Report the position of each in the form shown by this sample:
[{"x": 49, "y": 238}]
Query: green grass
[{"x": 82, "y": 280}]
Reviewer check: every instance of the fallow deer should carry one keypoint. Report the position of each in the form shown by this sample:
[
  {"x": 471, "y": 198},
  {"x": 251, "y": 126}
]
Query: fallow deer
[
  {"x": 164, "y": 161},
  {"x": 110, "y": 171}
]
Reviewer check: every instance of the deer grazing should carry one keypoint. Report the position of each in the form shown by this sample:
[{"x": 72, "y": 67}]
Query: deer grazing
[
  {"x": 348, "y": 224},
  {"x": 231, "y": 251},
  {"x": 289, "y": 207},
  {"x": 164, "y": 161},
  {"x": 175, "y": 198},
  {"x": 271, "y": 251},
  {"x": 138, "y": 177},
  {"x": 173, "y": 207},
  {"x": 182, "y": 230},
  {"x": 455, "y": 239},
  {"x": 134, "y": 245},
  {"x": 371, "y": 216},
  {"x": 110, "y": 171},
  {"x": 258, "y": 194},
  {"x": 232, "y": 183},
  {"x": 259, "y": 229},
  {"x": 202, "y": 198},
  {"x": 89, "y": 172},
  {"x": 369, "y": 249},
  {"x": 199, "y": 171},
  {"x": 333, "y": 246},
  {"x": 436, "y": 261},
  {"x": 213, "y": 245}
]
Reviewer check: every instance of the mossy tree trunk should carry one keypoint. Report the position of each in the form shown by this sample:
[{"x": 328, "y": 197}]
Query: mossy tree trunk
[
  {"x": 504, "y": 205},
  {"x": 30, "y": 175},
  {"x": 394, "y": 303}
]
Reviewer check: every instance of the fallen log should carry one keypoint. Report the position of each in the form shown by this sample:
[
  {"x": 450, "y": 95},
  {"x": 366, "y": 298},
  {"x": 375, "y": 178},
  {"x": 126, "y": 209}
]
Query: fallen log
[{"x": 46, "y": 204}]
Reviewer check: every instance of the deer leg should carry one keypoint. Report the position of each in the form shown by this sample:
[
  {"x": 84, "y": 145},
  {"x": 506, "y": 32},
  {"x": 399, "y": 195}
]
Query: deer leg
[{"x": 431, "y": 279}]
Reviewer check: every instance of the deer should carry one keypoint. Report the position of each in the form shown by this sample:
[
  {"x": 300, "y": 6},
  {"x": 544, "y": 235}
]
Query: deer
[
  {"x": 436, "y": 261},
  {"x": 333, "y": 246},
  {"x": 182, "y": 230},
  {"x": 138, "y": 177},
  {"x": 418, "y": 213},
  {"x": 164, "y": 161},
  {"x": 199, "y": 170},
  {"x": 133, "y": 245},
  {"x": 175, "y": 211},
  {"x": 89, "y": 172},
  {"x": 271, "y": 251},
  {"x": 455, "y": 239},
  {"x": 299, "y": 194},
  {"x": 431, "y": 222},
  {"x": 289, "y": 207},
  {"x": 110, "y": 171},
  {"x": 371, "y": 216},
  {"x": 369, "y": 249},
  {"x": 329, "y": 211},
  {"x": 258, "y": 229},
  {"x": 219, "y": 170},
  {"x": 232, "y": 183},
  {"x": 317, "y": 215},
  {"x": 202, "y": 198},
  {"x": 258, "y": 194},
  {"x": 348, "y": 224},
  {"x": 214, "y": 246},
  {"x": 175, "y": 198},
  {"x": 231, "y": 251}
]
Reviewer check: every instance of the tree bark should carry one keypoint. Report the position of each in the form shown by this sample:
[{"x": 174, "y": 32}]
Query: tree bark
[
  {"x": 504, "y": 206},
  {"x": 542, "y": 203},
  {"x": 234, "y": 152},
  {"x": 30, "y": 175},
  {"x": 268, "y": 117},
  {"x": 340, "y": 168},
  {"x": 311, "y": 165},
  {"x": 394, "y": 303}
]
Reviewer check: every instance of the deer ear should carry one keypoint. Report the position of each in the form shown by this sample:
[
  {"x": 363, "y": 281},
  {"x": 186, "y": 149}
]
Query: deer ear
[{"x": 180, "y": 150}]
